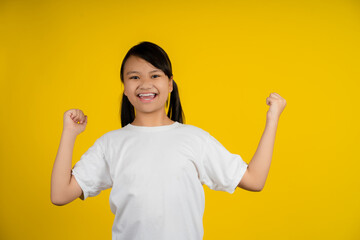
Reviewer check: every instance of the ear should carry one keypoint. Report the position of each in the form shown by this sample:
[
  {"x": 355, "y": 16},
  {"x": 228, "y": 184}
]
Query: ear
[{"x": 171, "y": 84}]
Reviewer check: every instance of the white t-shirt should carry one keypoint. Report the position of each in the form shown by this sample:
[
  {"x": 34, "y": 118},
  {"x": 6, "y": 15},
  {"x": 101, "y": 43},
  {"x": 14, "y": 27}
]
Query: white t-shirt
[{"x": 156, "y": 175}]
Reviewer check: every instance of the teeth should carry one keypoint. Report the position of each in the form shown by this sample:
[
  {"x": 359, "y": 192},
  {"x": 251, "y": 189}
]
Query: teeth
[{"x": 146, "y": 94}]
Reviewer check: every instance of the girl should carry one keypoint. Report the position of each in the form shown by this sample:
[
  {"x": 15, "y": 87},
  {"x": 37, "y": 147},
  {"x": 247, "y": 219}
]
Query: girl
[{"x": 156, "y": 164}]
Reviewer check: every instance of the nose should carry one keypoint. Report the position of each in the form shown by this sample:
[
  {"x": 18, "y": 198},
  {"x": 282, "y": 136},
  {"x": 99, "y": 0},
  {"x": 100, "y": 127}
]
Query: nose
[{"x": 146, "y": 83}]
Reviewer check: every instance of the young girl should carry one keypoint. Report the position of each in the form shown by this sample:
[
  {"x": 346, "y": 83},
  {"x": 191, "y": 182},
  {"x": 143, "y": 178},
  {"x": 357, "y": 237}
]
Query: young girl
[{"x": 156, "y": 164}]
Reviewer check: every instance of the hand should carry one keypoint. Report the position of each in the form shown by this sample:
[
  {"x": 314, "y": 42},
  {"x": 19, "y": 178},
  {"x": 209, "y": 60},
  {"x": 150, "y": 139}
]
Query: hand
[
  {"x": 277, "y": 105},
  {"x": 75, "y": 121}
]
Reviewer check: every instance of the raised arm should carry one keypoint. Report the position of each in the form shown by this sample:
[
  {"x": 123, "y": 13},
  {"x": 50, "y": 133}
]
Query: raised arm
[
  {"x": 64, "y": 188},
  {"x": 255, "y": 176}
]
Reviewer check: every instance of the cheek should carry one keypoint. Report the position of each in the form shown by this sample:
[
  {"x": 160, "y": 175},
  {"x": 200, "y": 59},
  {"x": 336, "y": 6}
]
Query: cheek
[{"x": 127, "y": 91}]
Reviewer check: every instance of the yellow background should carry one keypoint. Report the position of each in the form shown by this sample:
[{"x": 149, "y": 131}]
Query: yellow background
[{"x": 227, "y": 56}]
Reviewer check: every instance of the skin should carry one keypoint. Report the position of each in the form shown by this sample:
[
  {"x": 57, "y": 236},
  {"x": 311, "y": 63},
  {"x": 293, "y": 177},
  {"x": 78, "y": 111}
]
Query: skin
[
  {"x": 149, "y": 113},
  {"x": 255, "y": 176},
  {"x": 64, "y": 187}
]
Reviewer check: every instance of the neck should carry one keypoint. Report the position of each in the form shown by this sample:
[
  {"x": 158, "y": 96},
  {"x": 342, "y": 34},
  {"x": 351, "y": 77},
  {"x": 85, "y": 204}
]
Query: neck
[{"x": 151, "y": 119}]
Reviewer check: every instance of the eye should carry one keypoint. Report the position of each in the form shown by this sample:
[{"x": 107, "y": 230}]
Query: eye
[
  {"x": 133, "y": 77},
  {"x": 157, "y": 75}
]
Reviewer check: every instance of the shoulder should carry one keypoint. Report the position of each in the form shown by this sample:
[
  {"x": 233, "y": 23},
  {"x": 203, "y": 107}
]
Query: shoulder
[
  {"x": 193, "y": 131},
  {"x": 110, "y": 135}
]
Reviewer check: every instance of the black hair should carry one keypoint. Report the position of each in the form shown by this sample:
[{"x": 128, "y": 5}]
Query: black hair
[{"x": 156, "y": 56}]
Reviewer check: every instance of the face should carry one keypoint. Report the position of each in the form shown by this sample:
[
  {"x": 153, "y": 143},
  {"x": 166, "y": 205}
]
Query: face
[{"x": 142, "y": 77}]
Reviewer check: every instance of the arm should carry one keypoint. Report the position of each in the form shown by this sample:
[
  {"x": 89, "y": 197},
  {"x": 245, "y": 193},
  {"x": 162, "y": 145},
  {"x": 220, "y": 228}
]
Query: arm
[
  {"x": 64, "y": 188},
  {"x": 255, "y": 176},
  {"x": 258, "y": 169}
]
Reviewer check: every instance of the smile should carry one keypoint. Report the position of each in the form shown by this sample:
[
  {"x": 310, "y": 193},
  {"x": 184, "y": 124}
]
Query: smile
[{"x": 147, "y": 97}]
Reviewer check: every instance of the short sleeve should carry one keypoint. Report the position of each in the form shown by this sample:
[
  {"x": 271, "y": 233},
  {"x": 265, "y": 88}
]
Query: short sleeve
[
  {"x": 221, "y": 170},
  {"x": 92, "y": 170}
]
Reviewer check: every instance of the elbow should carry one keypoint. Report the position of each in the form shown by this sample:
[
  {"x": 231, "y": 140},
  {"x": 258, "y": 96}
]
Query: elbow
[
  {"x": 57, "y": 203},
  {"x": 251, "y": 183},
  {"x": 252, "y": 188},
  {"x": 258, "y": 184},
  {"x": 57, "y": 200},
  {"x": 258, "y": 188}
]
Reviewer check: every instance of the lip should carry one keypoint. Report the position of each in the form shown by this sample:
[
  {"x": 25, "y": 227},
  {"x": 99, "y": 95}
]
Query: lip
[
  {"x": 146, "y": 101},
  {"x": 145, "y": 93}
]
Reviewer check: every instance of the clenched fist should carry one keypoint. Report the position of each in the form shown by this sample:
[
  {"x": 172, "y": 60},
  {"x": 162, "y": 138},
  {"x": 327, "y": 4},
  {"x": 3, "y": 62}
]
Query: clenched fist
[
  {"x": 75, "y": 121},
  {"x": 277, "y": 105}
]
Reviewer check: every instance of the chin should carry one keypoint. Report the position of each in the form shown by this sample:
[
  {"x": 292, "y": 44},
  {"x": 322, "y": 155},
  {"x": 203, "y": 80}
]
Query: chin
[{"x": 149, "y": 109}]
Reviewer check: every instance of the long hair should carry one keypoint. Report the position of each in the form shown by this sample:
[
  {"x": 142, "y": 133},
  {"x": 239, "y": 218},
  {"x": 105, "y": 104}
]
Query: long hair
[{"x": 155, "y": 55}]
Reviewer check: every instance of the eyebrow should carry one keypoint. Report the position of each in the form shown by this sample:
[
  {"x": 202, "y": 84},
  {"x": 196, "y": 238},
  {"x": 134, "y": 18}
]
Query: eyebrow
[{"x": 156, "y": 70}]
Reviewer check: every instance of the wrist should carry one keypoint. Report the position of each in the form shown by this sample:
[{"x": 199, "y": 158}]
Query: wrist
[
  {"x": 272, "y": 121},
  {"x": 68, "y": 133}
]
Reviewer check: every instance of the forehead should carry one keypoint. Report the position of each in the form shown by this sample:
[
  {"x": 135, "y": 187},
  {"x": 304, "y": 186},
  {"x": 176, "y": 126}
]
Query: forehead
[{"x": 137, "y": 63}]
